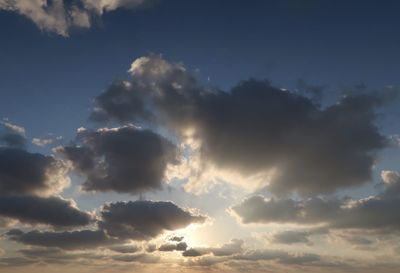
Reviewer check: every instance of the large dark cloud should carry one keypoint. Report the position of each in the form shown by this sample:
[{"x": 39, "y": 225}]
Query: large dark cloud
[
  {"x": 255, "y": 127},
  {"x": 124, "y": 159},
  {"x": 83, "y": 239},
  {"x": 143, "y": 220},
  {"x": 52, "y": 211},
  {"x": 22, "y": 172},
  {"x": 376, "y": 212}
]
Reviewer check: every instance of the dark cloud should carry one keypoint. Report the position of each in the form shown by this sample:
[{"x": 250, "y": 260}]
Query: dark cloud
[
  {"x": 83, "y": 239},
  {"x": 376, "y": 212},
  {"x": 292, "y": 237},
  {"x": 121, "y": 102},
  {"x": 13, "y": 135},
  {"x": 256, "y": 128},
  {"x": 142, "y": 220},
  {"x": 182, "y": 246},
  {"x": 297, "y": 236},
  {"x": 22, "y": 172},
  {"x": 124, "y": 159},
  {"x": 37, "y": 210},
  {"x": 316, "y": 92},
  {"x": 13, "y": 140}
]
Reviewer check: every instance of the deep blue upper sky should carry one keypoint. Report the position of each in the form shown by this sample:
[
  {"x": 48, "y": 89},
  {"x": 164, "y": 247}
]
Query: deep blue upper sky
[{"x": 48, "y": 81}]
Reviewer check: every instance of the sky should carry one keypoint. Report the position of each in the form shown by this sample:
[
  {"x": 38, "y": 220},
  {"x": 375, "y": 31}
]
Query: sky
[{"x": 199, "y": 136}]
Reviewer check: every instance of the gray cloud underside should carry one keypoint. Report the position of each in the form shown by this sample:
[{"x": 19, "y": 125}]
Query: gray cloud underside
[
  {"x": 376, "y": 212},
  {"x": 52, "y": 211},
  {"x": 13, "y": 140},
  {"x": 119, "y": 222},
  {"x": 22, "y": 172},
  {"x": 124, "y": 159},
  {"x": 84, "y": 239},
  {"x": 142, "y": 220},
  {"x": 182, "y": 246}
]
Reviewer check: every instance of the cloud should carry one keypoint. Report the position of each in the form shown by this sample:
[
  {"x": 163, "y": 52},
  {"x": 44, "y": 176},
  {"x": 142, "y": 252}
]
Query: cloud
[
  {"x": 251, "y": 255},
  {"x": 119, "y": 102},
  {"x": 59, "y": 16},
  {"x": 101, "y": 6},
  {"x": 13, "y": 127},
  {"x": 391, "y": 180},
  {"x": 375, "y": 212},
  {"x": 124, "y": 159},
  {"x": 69, "y": 240},
  {"x": 14, "y": 135},
  {"x": 44, "y": 141},
  {"x": 143, "y": 220},
  {"x": 52, "y": 211},
  {"x": 235, "y": 246},
  {"x": 176, "y": 238},
  {"x": 52, "y": 255},
  {"x": 297, "y": 236},
  {"x": 292, "y": 237},
  {"x": 182, "y": 246},
  {"x": 138, "y": 258},
  {"x": 22, "y": 172},
  {"x": 15, "y": 261},
  {"x": 125, "y": 248},
  {"x": 256, "y": 129},
  {"x": 278, "y": 255}
]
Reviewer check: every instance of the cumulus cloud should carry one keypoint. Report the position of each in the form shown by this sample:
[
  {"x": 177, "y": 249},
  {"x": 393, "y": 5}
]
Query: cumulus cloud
[
  {"x": 124, "y": 159},
  {"x": 143, "y": 220},
  {"x": 59, "y": 16},
  {"x": 255, "y": 128},
  {"x": 375, "y": 212},
  {"x": 120, "y": 102},
  {"x": 52, "y": 211},
  {"x": 391, "y": 180},
  {"x": 83, "y": 239},
  {"x": 181, "y": 246},
  {"x": 22, "y": 172}
]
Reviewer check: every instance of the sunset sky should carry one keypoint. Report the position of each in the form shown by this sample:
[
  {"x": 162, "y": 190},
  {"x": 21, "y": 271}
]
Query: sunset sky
[{"x": 256, "y": 136}]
